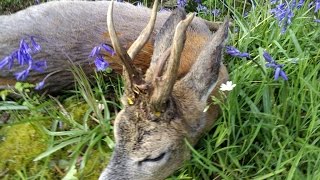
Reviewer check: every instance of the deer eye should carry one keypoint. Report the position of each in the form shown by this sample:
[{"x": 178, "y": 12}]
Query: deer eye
[{"x": 158, "y": 158}]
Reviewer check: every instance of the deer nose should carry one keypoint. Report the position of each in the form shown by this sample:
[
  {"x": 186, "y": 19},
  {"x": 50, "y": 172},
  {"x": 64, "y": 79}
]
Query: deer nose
[{"x": 116, "y": 169}]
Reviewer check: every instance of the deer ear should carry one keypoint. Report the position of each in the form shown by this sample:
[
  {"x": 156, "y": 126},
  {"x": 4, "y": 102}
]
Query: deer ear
[
  {"x": 203, "y": 75},
  {"x": 164, "y": 38}
]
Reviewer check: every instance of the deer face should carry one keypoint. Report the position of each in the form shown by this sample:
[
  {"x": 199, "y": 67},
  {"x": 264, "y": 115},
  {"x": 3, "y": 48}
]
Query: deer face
[
  {"x": 148, "y": 145},
  {"x": 160, "y": 111}
]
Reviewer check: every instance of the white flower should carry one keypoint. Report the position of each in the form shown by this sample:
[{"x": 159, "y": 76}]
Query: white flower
[
  {"x": 227, "y": 86},
  {"x": 101, "y": 106}
]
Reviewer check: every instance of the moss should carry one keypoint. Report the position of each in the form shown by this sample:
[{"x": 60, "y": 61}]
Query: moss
[
  {"x": 78, "y": 110},
  {"x": 19, "y": 145}
]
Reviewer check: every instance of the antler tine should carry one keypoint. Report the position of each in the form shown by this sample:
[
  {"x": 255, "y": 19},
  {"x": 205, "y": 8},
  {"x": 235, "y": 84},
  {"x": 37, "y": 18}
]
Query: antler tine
[
  {"x": 145, "y": 33},
  {"x": 123, "y": 55},
  {"x": 163, "y": 90}
]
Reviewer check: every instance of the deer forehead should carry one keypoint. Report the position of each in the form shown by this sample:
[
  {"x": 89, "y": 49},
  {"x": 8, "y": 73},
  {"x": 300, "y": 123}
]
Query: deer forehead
[
  {"x": 143, "y": 122},
  {"x": 138, "y": 136}
]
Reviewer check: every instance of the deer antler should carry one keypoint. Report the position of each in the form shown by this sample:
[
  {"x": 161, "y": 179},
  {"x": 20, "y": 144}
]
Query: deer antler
[
  {"x": 131, "y": 75},
  {"x": 145, "y": 33},
  {"x": 163, "y": 86},
  {"x": 129, "y": 70}
]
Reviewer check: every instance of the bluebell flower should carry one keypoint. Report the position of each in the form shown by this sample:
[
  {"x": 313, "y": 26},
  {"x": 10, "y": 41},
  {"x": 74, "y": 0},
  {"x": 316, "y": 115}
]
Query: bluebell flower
[
  {"x": 24, "y": 57},
  {"x": 271, "y": 63},
  {"x": 21, "y": 76},
  {"x": 100, "y": 63},
  {"x": 108, "y": 49},
  {"x": 95, "y": 51},
  {"x": 300, "y": 4},
  {"x": 23, "y": 53},
  {"x": 39, "y": 66},
  {"x": 202, "y": 8},
  {"x": 317, "y": 6},
  {"x": 279, "y": 12},
  {"x": 40, "y": 85},
  {"x": 316, "y": 20},
  {"x": 236, "y": 53},
  {"x": 182, "y": 3},
  {"x": 284, "y": 13},
  {"x": 215, "y": 12},
  {"x": 35, "y": 45},
  {"x": 24, "y": 46},
  {"x": 268, "y": 57},
  {"x": 4, "y": 62},
  {"x": 7, "y": 61}
]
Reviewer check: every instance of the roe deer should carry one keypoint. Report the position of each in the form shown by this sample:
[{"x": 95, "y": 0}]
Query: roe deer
[
  {"x": 161, "y": 108},
  {"x": 165, "y": 95},
  {"x": 68, "y": 30}
]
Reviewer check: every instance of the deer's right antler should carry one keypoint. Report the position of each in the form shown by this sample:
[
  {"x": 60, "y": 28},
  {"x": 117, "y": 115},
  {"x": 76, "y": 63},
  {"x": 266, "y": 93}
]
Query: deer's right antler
[{"x": 163, "y": 85}]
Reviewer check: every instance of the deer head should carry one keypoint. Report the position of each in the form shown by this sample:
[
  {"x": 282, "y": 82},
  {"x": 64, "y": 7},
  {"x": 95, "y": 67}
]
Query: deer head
[{"x": 161, "y": 111}]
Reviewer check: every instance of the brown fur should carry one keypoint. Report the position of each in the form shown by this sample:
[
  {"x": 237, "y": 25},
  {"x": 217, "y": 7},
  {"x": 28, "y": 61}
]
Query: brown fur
[{"x": 150, "y": 143}]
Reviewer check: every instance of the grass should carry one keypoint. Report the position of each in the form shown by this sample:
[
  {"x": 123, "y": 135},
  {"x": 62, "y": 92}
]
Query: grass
[
  {"x": 268, "y": 129},
  {"x": 10, "y": 6}
]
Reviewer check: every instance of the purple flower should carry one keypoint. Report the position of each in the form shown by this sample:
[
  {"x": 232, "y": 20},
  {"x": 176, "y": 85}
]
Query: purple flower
[
  {"x": 182, "y": 3},
  {"x": 100, "y": 63},
  {"x": 95, "y": 51},
  {"x": 236, "y": 53},
  {"x": 316, "y": 20},
  {"x": 279, "y": 12},
  {"x": 317, "y": 4},
  {"x": 9, "y": 60},
  {"x": 37, "y": 1},
  {"x": 108, "y": 49},
  {"x": 284, "y": 13},
  {"x": 300, "y": 4},
  {"x": 39, "y": 66},
  {"x": 35, "y": 45},
  {"x": 40, "y": 85},
  {"x": 24, "y": 46},
  {"x": 277, "y": 67},
  {"x": 215, "y": 12},
  {"x": 268, "y": 57},
  {"x": 24, "y": 56},
  {"x": 21, "y": 76},
  {"x": 202, "y": 8}
]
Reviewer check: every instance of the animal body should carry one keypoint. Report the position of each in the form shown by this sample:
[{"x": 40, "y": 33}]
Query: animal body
[{"x": 170, "y": 71}]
